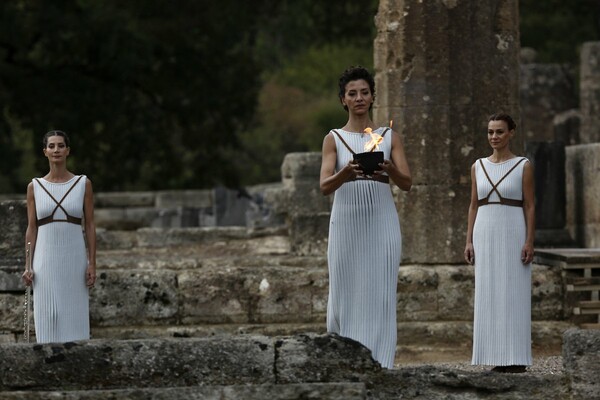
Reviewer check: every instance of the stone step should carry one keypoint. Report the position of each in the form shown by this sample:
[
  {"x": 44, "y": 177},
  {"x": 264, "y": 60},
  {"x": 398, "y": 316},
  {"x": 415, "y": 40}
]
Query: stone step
[
  {"x": 294, "y": 391},
  {"x": 223, "y": 360},
  {"x": 252, "y": 365}
]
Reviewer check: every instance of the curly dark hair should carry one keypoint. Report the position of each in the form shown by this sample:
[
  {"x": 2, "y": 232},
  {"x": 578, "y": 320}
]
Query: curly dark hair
[
  {"x": 353, "y": 74},
  {"x": 56, "y": 133},
  {"x": 503, "y": 117}
]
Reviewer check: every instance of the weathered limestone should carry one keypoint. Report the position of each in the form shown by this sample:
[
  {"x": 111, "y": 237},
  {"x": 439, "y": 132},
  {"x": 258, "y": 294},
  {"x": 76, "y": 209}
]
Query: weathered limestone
[
  {"x": 298, "y": 391},
  {"x": 581, "y": 357},
  {"x": 307, "y": 209},
  {"x": 589, "y": 92},
  {"x": 583, "y": 192},
  {"x": 545, "y": 91},
  {"x": 166, "y": 369},
  {"x": 548, "y": 160},
  {"x": 13, "y": 217},
  {"x": 439, "y": 93}
]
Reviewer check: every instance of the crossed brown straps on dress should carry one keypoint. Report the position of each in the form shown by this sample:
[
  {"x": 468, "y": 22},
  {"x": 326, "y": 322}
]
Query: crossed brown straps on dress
[
  {"x": 503, "y": 200},
  {"x": 50, "y": 218},
  {"x": 349, "y": 148}
]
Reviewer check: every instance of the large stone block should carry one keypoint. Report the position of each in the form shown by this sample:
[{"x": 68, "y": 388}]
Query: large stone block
[
  {"x": 299, "y": 167},
  {"x": 297, "y": 391},
  {"x": 185, "y": 198},
  {"x": 433, "y": 219},
  {"x": 417, "y": 294},
  {"x": 251, "y": 295},
  {"x": 134, "y": 297},
  {"x": 548, "y": 159},
  {"x": 581, "y": 358},
  {"x": 589, "y": 93},
  {"x": 545, "y": 90},
  {"x": 583, "y": 192},
  {"x": 322, "y": 358},
  {"x": 11, "y": 312},
  {"x": 456, "y": 293},
  {"x": 309, "y": 233},
  {"x": 13, "y": 214},
  {"x": 547, "y": 294},
  {"x": 103, "y": 364},
  {"x": 124, "y": 199}
]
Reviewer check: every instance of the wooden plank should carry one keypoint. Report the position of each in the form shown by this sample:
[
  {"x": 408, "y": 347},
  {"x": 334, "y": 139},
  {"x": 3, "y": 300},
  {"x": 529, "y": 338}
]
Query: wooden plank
[
  {"x": 581, "y": 266},
  {"x": 587, "y": 311},
  {"x": 582, "y": 288},
  {"x": 579, "y": 281},
  {"x": 588, "y": 304},
  {"x": 590, "y": 326}
]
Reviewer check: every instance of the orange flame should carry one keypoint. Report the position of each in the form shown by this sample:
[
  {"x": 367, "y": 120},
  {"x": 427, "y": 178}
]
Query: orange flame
[{"x": 373, "y": 144}]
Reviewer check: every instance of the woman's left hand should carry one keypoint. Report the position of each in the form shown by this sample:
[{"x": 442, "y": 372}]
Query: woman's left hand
[
  {"x": 527, "y": 254},
  {"x": 386, "y": 166},
  {"x": 90, "y": 276}
]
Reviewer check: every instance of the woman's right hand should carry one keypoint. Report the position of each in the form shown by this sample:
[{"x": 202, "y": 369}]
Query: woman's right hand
[
  {"x": 470, "y": 254},
  {"x": 353, "y": 170},
  {"x": 27, "y": 277}
]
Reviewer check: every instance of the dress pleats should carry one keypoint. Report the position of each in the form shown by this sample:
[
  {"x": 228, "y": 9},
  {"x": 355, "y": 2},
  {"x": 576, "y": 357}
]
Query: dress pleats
[
  {"x": 60, "y": 295},
  {"x": 364, "y": 252},
  {"x": 502, "y": 322}
]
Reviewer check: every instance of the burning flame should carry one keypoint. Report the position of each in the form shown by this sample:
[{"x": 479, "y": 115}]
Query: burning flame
[{"x": 373, "y": 144}]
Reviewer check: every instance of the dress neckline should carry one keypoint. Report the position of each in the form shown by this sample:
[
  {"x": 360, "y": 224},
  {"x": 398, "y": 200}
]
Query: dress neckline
[
  {"x": 357, "y": 133},
  {"x": 502, "y": 162},
  {"x": 59, "y": 183}
]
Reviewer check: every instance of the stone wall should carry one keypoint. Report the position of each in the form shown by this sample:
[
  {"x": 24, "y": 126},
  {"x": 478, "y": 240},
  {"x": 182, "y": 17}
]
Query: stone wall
[
  {"x": 258, "y": 367},
  {"x": 583, "y": 192},
  {"x": 589, "y": 93}
]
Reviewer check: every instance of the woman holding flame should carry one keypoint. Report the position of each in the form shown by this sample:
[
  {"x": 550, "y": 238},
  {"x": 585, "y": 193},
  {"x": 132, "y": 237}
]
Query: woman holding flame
[{"x": 365, "y": 243}]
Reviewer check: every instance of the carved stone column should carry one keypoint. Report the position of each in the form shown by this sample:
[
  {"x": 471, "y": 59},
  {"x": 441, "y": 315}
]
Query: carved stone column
[{"x": 442, "y": 67}]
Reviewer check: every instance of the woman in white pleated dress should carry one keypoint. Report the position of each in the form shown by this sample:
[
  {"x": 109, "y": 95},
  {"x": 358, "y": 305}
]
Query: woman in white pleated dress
[
  {"x": 500, "y": 234},
  {"x": 63, "y": 269},
  {"x": 365, "y": 242}
]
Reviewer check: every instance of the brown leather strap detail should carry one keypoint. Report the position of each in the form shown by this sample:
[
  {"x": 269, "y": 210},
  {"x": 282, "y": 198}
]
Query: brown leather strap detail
[
  {"x": 343, "y": 141},
  {"x": 503, "y": 200},
  {"x": 378, "y": 178},
  {"x": 50, "y": 218}
]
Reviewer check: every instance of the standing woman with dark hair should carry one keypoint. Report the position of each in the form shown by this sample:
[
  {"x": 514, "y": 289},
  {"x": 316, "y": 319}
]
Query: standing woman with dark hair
[
  {"x": 500, "y": 235},
  {"x": 365, "y": 243},
  {"x": 63, "y": 271}
]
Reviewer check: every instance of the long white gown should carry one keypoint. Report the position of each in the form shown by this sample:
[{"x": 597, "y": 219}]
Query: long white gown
[
  {"x": 364, "y": 252},
  {"x": 60, "y": 295},
  {"x": 502, "y": 323}
]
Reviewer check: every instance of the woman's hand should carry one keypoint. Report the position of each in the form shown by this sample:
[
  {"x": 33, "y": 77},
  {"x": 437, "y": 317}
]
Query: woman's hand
[
  {"x": 386, "y": 166},
  {"x": 470, "y": 254},
  {"x": 353, "y": 170},
  {"x": 27, "y": 277},
  {"x": 527, "y": 254},
  {"x": 90, "y": 276}
]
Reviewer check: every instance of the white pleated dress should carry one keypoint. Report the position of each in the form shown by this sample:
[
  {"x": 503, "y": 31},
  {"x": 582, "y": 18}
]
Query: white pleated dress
[
  {"x": 60, "y": 294},
  {"x": 502, "y": 321},
  {"x": 364, "y": 252}
]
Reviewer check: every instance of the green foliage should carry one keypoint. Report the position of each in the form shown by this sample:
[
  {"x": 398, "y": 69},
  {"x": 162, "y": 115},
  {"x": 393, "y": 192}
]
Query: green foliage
[
  {"x": 152, "y": 93},
  {"x": 556, "y": 29}
]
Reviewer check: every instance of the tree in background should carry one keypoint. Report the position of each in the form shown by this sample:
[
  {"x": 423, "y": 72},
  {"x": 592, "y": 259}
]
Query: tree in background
[
  {"x": 304, "y": 46},
  {"x": 556, "y": 29},
  {"x": 152, "y": 93}
]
